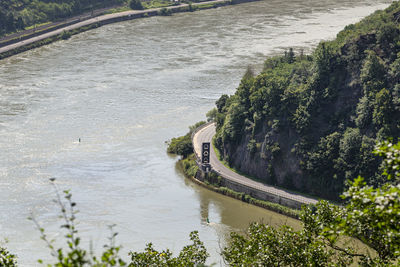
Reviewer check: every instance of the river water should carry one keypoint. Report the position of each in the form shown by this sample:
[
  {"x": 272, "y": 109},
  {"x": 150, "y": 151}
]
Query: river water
[{"x": 124, "y": 89}]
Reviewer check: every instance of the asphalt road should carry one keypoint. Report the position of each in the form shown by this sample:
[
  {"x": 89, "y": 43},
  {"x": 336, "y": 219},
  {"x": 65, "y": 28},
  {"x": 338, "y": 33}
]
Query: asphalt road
[
  {"x": 205, "y": 135},
  {"x": 80, "y": 17},
  {"x": 93, "y": 21},
  {"x": 68, "y": 28}
]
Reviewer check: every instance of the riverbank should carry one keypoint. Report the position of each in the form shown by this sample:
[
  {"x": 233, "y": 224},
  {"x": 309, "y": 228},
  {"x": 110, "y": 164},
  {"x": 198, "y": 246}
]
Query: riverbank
[
  {"x": 190, "y": 169},
  {"x": 230, "y": 183},
  {"x": 81, "y": 26},
  {"x": 39, "y": 29}
]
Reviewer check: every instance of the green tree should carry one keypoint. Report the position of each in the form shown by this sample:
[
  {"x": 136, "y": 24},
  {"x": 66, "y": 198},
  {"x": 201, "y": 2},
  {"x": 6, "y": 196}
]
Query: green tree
[
  {"x": 372, "y": 215},
  {"x": 212, "y": 114},
  {"x": 263, "y": 245},
  {"x": 395, "y": 68},
  {"x": 135, "y": 4},
  {"x": 181, "y": 146},
  {"x": 369, "y": 214},
  {"x": 74, "y": 255},
  {"x": 364, "y": 112},
  {"x": 243, "y": 91},
  {"x": 320, "y": 164},
  {"x": 289, "y": 56},
  {"x": 349, "y": 147},
  {"x": 373, "y": 73},
  {"x": 7, "y": 259},
  {"x": 191, "y": 255},
  {"x": 324, "y": 58},
  {"x": 383, "y": 109},
  {"x": 221, "y": 103},
  {"x": 233, "y": 125}
]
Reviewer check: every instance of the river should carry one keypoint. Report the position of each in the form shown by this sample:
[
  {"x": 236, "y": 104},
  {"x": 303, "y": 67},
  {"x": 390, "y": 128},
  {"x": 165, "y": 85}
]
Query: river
[{"x": 124, "y": 89}]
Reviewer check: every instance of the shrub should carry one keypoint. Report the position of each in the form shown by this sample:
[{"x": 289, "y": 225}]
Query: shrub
[
  {"x": 7, "y": 259},
  {"x": 165, "y": 12},
  {"x": 66, "y": 35},
  {"x": 135, "y": 4},
  {"x": 75, "y": 255},
  {"x": 181, "y": 146}
]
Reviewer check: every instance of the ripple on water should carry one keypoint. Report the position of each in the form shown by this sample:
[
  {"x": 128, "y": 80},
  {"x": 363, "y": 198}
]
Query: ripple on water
[{"x": 124, "y": 89}]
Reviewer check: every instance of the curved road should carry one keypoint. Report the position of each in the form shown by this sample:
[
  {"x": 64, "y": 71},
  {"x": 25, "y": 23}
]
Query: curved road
[{"x": 206, "y": 134}]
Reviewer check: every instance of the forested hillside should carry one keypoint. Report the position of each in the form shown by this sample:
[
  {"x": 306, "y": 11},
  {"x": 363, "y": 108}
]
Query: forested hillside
[
  {"x": 18, "y": 14},
  {"x": 309, "y": 122}
]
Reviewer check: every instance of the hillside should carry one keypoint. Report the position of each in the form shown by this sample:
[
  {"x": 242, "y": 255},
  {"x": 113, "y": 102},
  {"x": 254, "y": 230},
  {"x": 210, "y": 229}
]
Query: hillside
[
  {"x": 309, "y": 122},
  {"x": 19, "y": 14}
]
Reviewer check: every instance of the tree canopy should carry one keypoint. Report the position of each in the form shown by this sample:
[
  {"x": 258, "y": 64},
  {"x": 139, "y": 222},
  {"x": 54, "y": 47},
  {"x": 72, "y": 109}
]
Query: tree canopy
[
  {"x": 370, "y": 214},
  {"x": 311, "y": 120}
]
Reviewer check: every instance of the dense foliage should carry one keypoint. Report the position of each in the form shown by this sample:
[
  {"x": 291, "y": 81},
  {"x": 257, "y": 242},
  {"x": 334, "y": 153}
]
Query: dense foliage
[
  {"x": 7, "y": 259},
  {"x": 315, "y": 116},
  {"x": 135, "y": 4},
  {"x": 191, "y": 255},
  {"x": 309, "y": 122},
  {"x": 183, "y": 145},
  {"x": 370, "y": 214},
  {"x": 74, "y": 255},
  {"x": 18, "y": 14}
]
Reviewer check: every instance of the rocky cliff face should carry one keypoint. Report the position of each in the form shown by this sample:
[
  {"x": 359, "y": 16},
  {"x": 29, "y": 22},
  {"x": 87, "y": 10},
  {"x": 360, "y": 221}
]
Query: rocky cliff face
[{"x": 311, "y": 122}]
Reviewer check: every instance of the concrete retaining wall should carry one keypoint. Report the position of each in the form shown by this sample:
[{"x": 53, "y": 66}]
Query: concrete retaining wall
[
  {"x": 241, "y": 188},
  {"x": 253, "y": 192}
]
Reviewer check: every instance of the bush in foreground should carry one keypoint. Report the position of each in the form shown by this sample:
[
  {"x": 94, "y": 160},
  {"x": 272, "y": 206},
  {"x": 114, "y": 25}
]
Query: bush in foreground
[
  {"x": 74, "y": 255},
  {"x": 370, "y": 215}
]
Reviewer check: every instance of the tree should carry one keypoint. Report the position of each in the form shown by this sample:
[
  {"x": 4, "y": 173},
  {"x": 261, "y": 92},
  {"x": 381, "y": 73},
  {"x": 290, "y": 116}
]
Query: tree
[
  {"x": 136, "y": 4},
  {"x": 289, "y": 56},
  {"x": 265, "y": 246},
  {"x": 373, "y": 73},
  {"x": 191, "y": 255},
  {"x": 7, "y": 259},
  {"x": 212, "y": 114},
  {"x": 383, "y": 109},
  {"x": 75, "y": 255},
  {"x": 233, "y": 125},
  {"x": 181, "y": 146},
  {"x": 243, "y": 91},
  {"x": 372, "y": 215},
  {"x": 221, "y": 103},
  {"x": 369, "y": 214},
  {"x": 324, "y": 57},
  {"x": 350, "y": 144}
]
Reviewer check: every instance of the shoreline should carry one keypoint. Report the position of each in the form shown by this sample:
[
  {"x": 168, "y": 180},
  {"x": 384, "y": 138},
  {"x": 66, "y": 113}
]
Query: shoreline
[
  {"x": 238, "y": 182},
  {"x": 209, "y": 185},
  {"x": 92, "y": 23}
]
